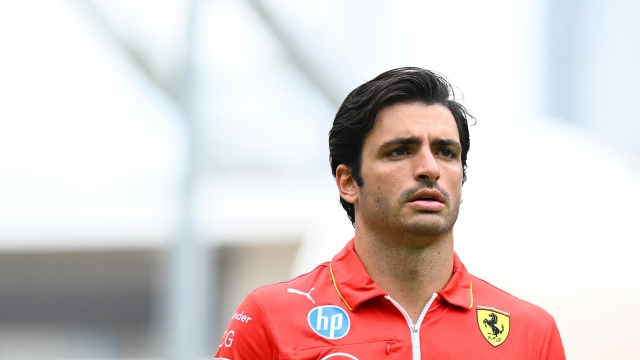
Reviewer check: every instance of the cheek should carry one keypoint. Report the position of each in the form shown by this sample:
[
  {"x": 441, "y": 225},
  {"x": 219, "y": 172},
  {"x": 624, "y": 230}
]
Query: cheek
[
  {"x": 453, "y": 173},
  {"x": 387, "y": 181},
  {"x": 454, "y": 181}
]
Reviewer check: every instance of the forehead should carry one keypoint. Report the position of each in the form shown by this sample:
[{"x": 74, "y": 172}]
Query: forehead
[{"x": 413, "y": 120}]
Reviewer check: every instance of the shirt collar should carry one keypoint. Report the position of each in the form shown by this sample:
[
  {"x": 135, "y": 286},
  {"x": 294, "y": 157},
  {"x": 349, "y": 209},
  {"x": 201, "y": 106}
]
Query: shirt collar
[
  {"x": 459, "y": 290},
  {"x": 354, "y": 286}
]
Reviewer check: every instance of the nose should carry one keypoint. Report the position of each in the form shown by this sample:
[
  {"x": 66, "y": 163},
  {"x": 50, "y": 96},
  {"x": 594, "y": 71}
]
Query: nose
[{"x": 426, "y": 167}]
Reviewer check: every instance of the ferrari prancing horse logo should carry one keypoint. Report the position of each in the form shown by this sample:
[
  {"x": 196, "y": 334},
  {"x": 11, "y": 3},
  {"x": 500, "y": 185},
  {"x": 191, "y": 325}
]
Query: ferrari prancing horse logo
[{"x": 494, "y": 324}]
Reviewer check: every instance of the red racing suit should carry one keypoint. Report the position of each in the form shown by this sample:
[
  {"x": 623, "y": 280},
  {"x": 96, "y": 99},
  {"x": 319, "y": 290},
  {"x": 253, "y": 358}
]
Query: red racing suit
[{"x": 337, "y": 312}]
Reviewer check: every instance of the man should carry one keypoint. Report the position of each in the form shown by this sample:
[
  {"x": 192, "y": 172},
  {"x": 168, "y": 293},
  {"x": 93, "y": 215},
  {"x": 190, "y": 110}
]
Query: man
[{"x": 398, "y": 150}]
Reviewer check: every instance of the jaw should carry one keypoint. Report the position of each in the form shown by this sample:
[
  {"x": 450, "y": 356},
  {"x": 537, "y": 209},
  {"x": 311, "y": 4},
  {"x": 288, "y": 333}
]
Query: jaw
[{"x": 430, "y": 223}]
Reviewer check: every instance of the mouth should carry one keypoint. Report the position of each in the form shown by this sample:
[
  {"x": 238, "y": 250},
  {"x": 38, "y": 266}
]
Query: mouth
[
  {"x": 427, "y": 200},
  {"x": 427, "y": 195}
]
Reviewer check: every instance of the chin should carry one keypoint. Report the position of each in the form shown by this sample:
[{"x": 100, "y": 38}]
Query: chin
[{"x": 426, "y": 228}]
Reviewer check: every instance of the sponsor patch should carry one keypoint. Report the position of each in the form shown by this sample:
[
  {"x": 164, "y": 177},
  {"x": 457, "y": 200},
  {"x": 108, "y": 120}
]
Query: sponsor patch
[
  {"x": 305, "y": 294},
  {"x": 329, "y": 321},
  {"x": 339, "y": 356},
  {"x": 494, "y": 324},
  {"x": 241, "y": 317},
  {"x": 227, "y": 339}
]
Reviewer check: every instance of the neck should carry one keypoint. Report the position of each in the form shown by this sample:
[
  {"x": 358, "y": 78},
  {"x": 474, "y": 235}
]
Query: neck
[{"x": 409, "y": 269}]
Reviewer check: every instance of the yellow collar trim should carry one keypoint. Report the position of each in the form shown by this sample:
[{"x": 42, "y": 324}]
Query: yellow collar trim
[
  {"x": 333, "y": 278},
  {"x": 471, "y": 292}
]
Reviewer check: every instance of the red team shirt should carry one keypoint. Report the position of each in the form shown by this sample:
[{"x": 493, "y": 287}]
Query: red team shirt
[{"x": 337, "y": 312}]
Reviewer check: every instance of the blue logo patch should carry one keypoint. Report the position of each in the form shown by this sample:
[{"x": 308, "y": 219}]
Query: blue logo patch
[{"x": 329, "y": 321}]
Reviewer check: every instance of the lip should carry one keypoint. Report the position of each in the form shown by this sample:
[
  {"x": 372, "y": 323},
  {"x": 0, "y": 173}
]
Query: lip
[
  {"x": 427, "y": 193},
  {"x": 427, "y": 200}
]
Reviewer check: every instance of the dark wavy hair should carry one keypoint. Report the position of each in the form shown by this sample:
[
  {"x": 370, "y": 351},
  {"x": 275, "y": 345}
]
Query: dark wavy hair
[{"x": 357, "y": 115}]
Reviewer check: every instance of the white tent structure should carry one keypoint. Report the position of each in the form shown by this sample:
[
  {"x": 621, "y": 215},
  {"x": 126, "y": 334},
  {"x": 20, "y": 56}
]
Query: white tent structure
[{"x": 90, "y": 152}]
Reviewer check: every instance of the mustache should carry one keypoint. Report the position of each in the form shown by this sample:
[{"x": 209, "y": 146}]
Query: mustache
[{"x": 408, "y": 194}]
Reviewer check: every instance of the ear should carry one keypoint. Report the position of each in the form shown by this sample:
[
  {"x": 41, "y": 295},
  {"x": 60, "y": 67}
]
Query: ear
[{"x": 347, "y": 186}]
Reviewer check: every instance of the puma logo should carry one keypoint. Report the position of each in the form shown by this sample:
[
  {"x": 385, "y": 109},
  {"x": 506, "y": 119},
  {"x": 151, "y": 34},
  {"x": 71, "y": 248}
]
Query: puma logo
[{"x": 308, "y": 295}]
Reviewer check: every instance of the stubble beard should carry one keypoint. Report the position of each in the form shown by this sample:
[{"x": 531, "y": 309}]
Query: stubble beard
[{"x": 390, "y": 218}]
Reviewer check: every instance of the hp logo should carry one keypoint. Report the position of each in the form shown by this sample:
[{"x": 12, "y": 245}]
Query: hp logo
[{"x": 329, "y": 321}]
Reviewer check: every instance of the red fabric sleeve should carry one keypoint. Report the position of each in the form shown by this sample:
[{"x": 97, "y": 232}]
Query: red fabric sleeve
[
  {"x": 552, "y": 348},
  {"x": 248, "y": 335}
]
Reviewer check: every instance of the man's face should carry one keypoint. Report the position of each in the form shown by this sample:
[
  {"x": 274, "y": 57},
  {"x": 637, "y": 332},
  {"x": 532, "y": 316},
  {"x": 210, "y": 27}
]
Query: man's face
[{"x": 412, "y": 171}]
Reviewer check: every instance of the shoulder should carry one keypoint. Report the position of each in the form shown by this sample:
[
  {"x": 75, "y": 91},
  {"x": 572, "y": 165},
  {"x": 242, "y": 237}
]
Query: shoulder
[
  {"x": 529, "y": 328},
  {"x": 258, "y": 327},
  {"x": 299, "y": 285},
  {"x": 284, "y": 301},
  {"x": 489, "y": 296}
]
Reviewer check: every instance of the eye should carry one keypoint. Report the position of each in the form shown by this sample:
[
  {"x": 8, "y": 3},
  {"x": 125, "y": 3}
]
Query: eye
[
  {"x": 448, "y": 153},
  {"x": 401, "y": 151}
]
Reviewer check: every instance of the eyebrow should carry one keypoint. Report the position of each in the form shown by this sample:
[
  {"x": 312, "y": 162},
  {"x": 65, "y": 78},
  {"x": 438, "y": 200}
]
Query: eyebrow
[
  {"x": 401, "y": 141},
  {"x": 417, "y": 140},
  {"x": 446, "y": 142}
]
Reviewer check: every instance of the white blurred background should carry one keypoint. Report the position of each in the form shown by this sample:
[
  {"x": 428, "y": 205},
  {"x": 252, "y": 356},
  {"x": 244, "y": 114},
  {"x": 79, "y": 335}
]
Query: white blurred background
[{"x": 160, "y": 159}]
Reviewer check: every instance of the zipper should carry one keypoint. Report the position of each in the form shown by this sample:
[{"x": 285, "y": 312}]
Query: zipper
[
  {"x": 413, "y": 328},
  {"x": 389, "y": 342}
]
